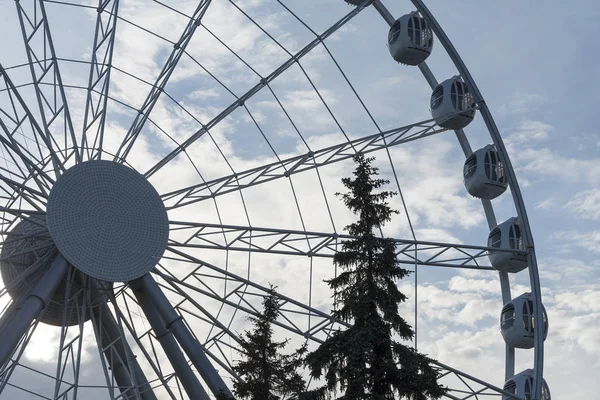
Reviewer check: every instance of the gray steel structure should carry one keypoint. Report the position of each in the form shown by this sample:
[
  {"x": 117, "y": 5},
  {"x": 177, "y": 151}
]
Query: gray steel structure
[{"x": 147, "y": 331}]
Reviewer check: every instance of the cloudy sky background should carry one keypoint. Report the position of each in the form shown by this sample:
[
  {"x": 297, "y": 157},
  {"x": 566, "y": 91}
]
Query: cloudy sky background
[{"x": 534, "y": 64}]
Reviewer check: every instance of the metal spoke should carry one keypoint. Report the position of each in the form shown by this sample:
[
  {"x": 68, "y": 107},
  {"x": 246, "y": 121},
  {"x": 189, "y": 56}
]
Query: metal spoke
[
  {"x": 99, "y": 80},
  {"x": 124, "y": 315},
  {"x": 44, "y": 68},
  {"x": 198, "y": 281},
  {"x": 474, "y": 386},
  {"x": 321, "y": 244},
  {"x": 300, "y": 163},
  {"x": 161, "y": 81},
  {"x": 20, "y": 131},
  {"x": 262, "y": 83}
]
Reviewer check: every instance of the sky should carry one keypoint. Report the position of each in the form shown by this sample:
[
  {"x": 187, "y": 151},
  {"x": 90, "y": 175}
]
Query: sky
[{"x": 535, "y": 65}]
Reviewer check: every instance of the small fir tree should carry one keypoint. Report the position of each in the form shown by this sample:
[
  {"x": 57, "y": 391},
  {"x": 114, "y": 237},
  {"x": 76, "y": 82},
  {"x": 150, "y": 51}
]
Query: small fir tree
[
  {"x": 267, "y": 373},
  {"x": 364, "y": 360}
]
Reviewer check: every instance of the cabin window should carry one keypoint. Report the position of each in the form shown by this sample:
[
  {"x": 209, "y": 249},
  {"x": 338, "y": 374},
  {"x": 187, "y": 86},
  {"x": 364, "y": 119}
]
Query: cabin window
[
  {"x": 528, "y": 322},
  {"x": 394, "y": 32},
  {"x": 411, "y": 30},
  {"x": 437, "y": 97},
  {"x": 462, "y": 99},
  {"x": 507, "y": 320},
  {"x": 470, "y": 166},
  {"x": 495, "y": 239},
  {"x": 500, "y": 170},
  {"x": 514, "y": 237}
]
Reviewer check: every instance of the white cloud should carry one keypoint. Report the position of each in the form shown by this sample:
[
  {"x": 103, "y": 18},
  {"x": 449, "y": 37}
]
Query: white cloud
[
  {"x": 548, "y": 163},
  {"x": 587, "y": 240},
  {"x": 545, "y": 204},
  {"x": 523, "y": 103},
  {"x": 585, "y": 205},
  {"x": 530, "y": 131}
]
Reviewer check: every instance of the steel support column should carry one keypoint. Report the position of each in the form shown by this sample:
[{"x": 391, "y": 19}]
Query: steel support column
[
  {"x": 111, "y": 337},
  {"x": 189, "y": 344},
  {"x": 190, "y": 382},
  {"x": 36, "y": 301}
]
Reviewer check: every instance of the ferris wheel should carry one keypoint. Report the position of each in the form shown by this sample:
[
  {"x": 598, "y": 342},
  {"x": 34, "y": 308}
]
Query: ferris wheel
[{"x": 142, "y": 223}]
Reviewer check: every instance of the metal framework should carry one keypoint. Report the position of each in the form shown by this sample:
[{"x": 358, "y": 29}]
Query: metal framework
[
  {"x": 321, "y": 244},
  {"x": 161, "y": 81},
  {"x": 174, "y": 333},
  {"x": 98, "y": 84},
  {"x": 47, "y": 80},
  {"x": 301, "y": 163}
]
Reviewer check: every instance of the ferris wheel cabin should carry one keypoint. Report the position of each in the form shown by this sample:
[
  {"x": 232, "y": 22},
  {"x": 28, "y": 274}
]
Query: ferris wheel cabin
[
  {"x": 507, "y": 236},
  {"x": 517, "y": 323},
  {"x": 521, "y": 385},
  {"x": 449, "y": 98},
  {"x": 483, "y": 174},
  {"x": 410, "y": 39}
]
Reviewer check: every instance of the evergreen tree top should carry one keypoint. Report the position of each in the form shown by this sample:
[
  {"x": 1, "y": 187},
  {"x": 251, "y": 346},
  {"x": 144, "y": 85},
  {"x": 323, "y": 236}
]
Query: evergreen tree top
[{"x": 364, "y": 361}]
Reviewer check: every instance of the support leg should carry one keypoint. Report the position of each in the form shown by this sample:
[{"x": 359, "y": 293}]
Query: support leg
[
  {"x": 174, "y": 322},
  {"x": 124, "y": 365},
  {"x": 36, "y": 301},
  {"x": 190, "y": 382}
]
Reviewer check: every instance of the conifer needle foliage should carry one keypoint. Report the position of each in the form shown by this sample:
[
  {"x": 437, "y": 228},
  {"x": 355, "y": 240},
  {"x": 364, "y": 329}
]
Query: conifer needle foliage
[
  {"x": 267, "y": 373},
  {"x": 364, "y": 361}
]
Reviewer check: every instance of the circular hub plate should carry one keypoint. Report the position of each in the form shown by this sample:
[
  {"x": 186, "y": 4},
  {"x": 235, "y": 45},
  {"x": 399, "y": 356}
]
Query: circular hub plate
[{"x": 107, "y": 220}]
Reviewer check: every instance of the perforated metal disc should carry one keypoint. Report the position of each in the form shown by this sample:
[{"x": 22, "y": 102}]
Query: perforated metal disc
[{"x": 107, "y": 220}]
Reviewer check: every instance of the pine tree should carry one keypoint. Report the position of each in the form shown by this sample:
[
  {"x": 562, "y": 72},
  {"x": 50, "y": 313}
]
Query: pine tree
[
  {"x": 364, "y": 360},
  {"x": 267, "y": 373}
]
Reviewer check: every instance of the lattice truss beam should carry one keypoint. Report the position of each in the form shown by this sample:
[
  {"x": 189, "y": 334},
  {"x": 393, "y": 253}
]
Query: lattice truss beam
[
  {"x": 320, "y": 244},
  {"x": 301, "y": 163},
  {"x": 47, "y": 80},
  {"x": 99, "y": 79},
  {"x": 462, "y": 386},
  {"x": 161, "y": 81},
  {"x": 27, "y": 166}
]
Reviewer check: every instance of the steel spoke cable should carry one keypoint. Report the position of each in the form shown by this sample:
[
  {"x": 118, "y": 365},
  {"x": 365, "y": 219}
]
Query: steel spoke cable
[
  {"x": 282, "y": 107},
  {"x": 253, "y": 90},
  {"x": 321, "y": 40},
  {"x": 304, "y": 161},
  {"x": 257, "y": 125},
  {"x": 289, "y": 118}
]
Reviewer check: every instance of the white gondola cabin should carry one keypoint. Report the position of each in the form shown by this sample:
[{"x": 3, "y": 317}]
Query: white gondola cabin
[
  {"x": 483, "y": 174},
  {"x": 507, "y": 236},
  {"x": 450, "y": 97},
  {"x": 410, "y": 39},
  {"x": 521, "y": 385},
  {"x": 517, "y": 323}
]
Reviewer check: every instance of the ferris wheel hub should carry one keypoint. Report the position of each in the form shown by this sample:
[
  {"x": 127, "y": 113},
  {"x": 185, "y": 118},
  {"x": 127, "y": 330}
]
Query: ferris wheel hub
[{"x": 107, "y": 220}]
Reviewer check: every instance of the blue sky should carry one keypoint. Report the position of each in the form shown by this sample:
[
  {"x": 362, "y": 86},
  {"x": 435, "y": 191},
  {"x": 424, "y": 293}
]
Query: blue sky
[{"x": 536, "y": 65}]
